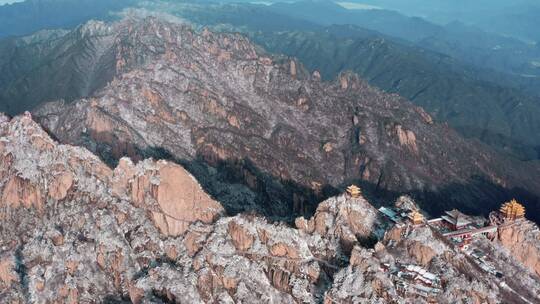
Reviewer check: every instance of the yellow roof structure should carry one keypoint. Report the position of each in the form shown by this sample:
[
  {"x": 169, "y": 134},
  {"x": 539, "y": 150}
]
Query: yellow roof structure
[
  {"x": 354, "y": 191},
  {"x": 416, "y": 217},
  {"x": 512, "y": 210}
]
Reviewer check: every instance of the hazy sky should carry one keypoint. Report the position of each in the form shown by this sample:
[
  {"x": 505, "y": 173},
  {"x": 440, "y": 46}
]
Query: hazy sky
[{"x": 9, "y": 1}]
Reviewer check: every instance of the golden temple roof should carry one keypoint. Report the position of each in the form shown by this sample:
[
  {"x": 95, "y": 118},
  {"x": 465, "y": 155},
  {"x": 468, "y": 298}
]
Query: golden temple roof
[
  {"x": 416, "y": 217},
  {"x": 354, "y": 191},
  {"x": 512, "y": 209}
]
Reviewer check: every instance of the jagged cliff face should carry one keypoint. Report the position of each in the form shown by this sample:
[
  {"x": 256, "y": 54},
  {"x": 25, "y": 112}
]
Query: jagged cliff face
[
  {"x": 217, "y": 99},
  {"x": 523, "y": 240},
  {"x": 74, "y": 230}
]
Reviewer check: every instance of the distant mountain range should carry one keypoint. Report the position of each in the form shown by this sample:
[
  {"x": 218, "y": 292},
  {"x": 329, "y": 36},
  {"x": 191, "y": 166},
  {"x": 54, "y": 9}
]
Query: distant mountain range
[
  {"x": 471, "y": 79},
  {"x": 23, "y": 18},
  {"x": 466, "y": 43},
  {"x": 516, "y": 18}
]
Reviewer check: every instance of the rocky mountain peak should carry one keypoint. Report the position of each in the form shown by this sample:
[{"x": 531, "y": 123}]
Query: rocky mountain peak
[
  {"x": 95, "y": 27},
  {"x": 37, "y": 172},
  {"x": 75, "y": 230},
  {"x": 288, "y": 137}
]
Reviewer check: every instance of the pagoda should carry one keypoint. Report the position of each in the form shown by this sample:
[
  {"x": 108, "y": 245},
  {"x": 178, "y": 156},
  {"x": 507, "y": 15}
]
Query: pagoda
[
  {"x": 416, "y": 217},
  {"x": 354, "y": 191},
  {"x": 512, "y": 210}
]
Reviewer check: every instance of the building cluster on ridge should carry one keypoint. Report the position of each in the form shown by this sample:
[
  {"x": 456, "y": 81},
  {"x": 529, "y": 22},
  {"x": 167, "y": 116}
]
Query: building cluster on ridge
[
  {"x": 454, "y": 225},
  {"x": 409, "y": 279},
  {"x": 412, "y": 279}
]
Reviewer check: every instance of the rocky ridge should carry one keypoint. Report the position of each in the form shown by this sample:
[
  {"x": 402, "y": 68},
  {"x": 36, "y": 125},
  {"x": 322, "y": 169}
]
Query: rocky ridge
[
  {"x": 523, "y": 240},
  {"x": 77, "y": 231},
  {"x": 57, "y": 64},
  {"x": 217, "y": 101}
]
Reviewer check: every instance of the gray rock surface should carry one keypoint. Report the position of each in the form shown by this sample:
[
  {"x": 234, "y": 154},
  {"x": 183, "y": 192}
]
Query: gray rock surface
[
  {"x": 220, "y": 101},
  {"x": 95, "y": 237}
]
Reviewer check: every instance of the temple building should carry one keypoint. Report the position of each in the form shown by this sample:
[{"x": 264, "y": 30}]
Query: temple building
[
  {"x": 512, "y": 210},
  {"x": 416, "y": 217},
  {"x": 354, "y": 191},
  {"x": 455, "y": 219}
]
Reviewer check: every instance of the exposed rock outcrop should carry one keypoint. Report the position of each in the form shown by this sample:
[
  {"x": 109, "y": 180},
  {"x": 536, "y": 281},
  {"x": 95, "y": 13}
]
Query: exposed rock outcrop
[
  {"x": 219, "y": 100},
  {"x": 103, "y": 232},
  {"x": 20, "y": 192},
  {"x": 60, "y": 186},
  {"x": 346, "y": 220},
  {"x": 104, "y": 235},
  {"x": 7, "y": 271},
  {"x": 75, "y": 231},
  {"x": 522, "y": 239},
  {"x": 170, "y": 193},
  {"x": 407, "y": 138}
]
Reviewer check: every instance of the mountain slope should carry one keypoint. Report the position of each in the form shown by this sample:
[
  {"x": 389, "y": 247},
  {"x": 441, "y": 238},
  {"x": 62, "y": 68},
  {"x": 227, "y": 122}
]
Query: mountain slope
[
  {"x": 217, "y": 99},
  {"x": 55, "y": 65},
  {"x": 468, "y": 44},
  {"x": 497, "y": 107},
  {"x": 502, "y": 117},
  {"x": 519, "y": 21},
  {"x": 478, "y": 103},
  {"x": 75, "y": 231},
  {"x": 486, "y": 50},
  {"x": 388, "y": 22}
]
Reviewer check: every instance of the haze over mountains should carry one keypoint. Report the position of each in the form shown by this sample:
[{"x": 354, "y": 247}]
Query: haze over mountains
[
  {"x": 455, "y": 39},
  {"x": 512, "y": 18},
  {"x": 26, "y": 17}
]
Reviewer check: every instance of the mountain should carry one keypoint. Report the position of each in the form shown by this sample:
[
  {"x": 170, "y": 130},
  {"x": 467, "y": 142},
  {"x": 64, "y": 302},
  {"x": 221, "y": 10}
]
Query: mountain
[
  {"x": 283, "y": 136},
  {"x": 181, "y": 165},
  {"x": 486, "y": 50},
  {"x": 236, "y": 14},
  {"x": 58, "y": 64},
  {"x": 388, "y": 22},
  {"x": 23, "y": 18},
  {"x": 498, "y": 108},
  {"x": 75, "y": 230},
  {"x": 502, "y": 117},
  {"x": 463, "y": 42},
  {"x": 452, "y": 90},
  {"x": 517, "y": 19},
  {"x": 55, "y": 64},
  {"x": 477, "y": 45}
]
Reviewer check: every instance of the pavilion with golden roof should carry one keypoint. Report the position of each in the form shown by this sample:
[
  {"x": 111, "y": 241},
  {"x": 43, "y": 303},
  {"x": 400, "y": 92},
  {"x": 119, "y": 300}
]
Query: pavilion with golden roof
[
  {"x": 354, "y": 191},
  {"x": 416, "y": 217},
  {"x": 512, "y": 210}
]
